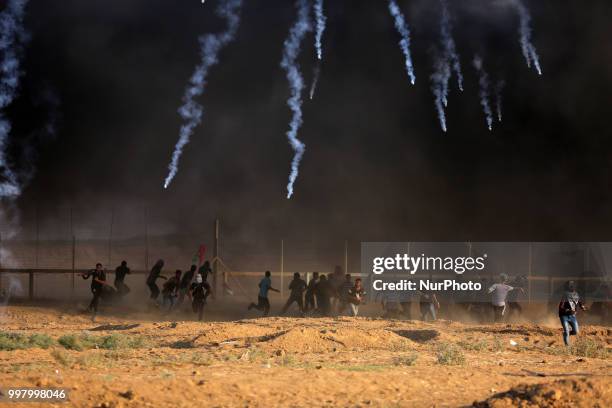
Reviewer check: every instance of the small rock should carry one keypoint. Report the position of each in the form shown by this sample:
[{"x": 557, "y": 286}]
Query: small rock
[
  {"x": 129, "y": 394},
  {"x": 581, "y": 360},
  {"x": 196, "y": 372},
  {"x": 201, "y": 382}
]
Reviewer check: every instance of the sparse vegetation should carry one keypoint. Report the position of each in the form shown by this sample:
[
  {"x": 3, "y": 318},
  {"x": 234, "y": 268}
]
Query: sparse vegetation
[
  {"x": 479, "y": 345},
  {"x": 167, "y": 375},
  {"x": 587, "y": 347},
  {"x": 63, "y": 357},
  {"x": 287, "y": 360},
  {"x": 362, "y": 367},
  {"x": 498, "y": 345},
  {"x": 408, "y": 360},
  {"x": 450, "y": 354},
  {"x": 74, "y": 342},
  {"x": 15, "y": 341},
  {"x": 111, "y": 342},
  {"x": 92, "y": 360},
  {"x": 41, "y": 340}
]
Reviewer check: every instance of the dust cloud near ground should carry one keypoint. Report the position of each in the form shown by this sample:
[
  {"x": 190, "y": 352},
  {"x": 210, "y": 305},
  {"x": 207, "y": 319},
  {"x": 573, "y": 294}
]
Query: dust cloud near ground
[{"x": 136, "y": 359}]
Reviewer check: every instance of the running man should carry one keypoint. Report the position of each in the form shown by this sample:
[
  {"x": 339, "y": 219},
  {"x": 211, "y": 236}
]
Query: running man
[
  {"x": 186, "y": 283},
  {"x": 323, "y": 291},
  {"x": 199, "y": 291},
  {"x": 355, "y": 296},
  {"x": 428, "y": 304},
  {"x": 297, "y": 288},
  {"x": 170, "y": 290},
  {"x": 98, "y": 280},
  {"x": 120, "y": 272},
  {"x": 310, "y": 293},
  {"x": 263, "y": 304},
  {"x": 343, "y": 293},
  {"x": 152, "y": 278},
  {"x": 499, "y": 293},
  {"x": 567, "y": 311},
  {"x": 204, "y": 270}
]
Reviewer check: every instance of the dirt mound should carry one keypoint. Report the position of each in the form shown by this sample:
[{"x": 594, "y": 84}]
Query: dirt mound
[
  {"x": 305, "y": 339},
  {"x": 420, "y": 336},
  {"x": 227, "y": 333},
  {"x": 559, "y": 394}
]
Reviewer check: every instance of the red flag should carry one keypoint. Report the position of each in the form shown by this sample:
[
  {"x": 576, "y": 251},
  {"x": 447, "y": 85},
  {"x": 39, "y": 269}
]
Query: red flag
[{"x": 201, "y": 253}]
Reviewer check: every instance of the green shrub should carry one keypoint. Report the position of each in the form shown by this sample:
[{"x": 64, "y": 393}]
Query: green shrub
[
  {"x": 408, "y": 360},
  {"x": 12, "y": 341},
  {"x": 41, "y": 340},
  {"x": 479, "y": 345},
  {"x": 71, "y": 342},
  {"x": 450, "y": 354},
  {"x": 110, "y": 342},
  {"x": 586, "y": 347},
  {"x": 15, "y": 341},
  {"x": 62, "y": 357}
]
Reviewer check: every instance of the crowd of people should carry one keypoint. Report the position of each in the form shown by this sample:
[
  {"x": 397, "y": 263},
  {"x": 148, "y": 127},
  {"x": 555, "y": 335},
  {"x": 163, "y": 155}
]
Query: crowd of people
[
  {"x": 329, "y": 295},
  {"x": 192, "y": 285},
  {"x": 322, "y": 296}
]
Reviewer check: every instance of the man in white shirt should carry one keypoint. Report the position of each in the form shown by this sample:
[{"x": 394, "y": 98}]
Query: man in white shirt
[{"x": 499, "y": 293}]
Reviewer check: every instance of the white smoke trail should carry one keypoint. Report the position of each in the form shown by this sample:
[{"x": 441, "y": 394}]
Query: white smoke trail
[
  {"x": 448, "y": 43},
  {"x": 529, "y": 50},
  {"x": 296, "y": 83},
  {"x": 320, "y": 27},
  {"x": 483, "y": 81},
  {"x": 404, "y": 31},
  {"x": 191, "y": 111},
  {"x": 12, "y": 37},
  {"x": 499, "y": 98},
  {"x": 439, "y": 87},
  {"x": 315, "y": 81}
]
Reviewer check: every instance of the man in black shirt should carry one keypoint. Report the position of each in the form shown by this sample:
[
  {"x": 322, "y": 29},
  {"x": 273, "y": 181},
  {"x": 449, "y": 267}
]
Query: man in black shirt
[
  {"x": 204, "y": 270},
  {"x": 323, "y": 291},
  {"x": 98, "y": 280},
  {"x": 199, "y": 290},
  {"x": 297, "y": 288},
  {"x": 120, "y": 272},
  {"x": 186, "y": 283},
  {"x": 310, "y": 292},
  {"x": 569, "y": 304},
  {"x": 152, "y": 278},
  {"x": 170, "y": 289}
]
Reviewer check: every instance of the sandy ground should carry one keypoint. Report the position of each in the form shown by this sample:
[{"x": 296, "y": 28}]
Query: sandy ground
[{"x": 304, "y": 362}]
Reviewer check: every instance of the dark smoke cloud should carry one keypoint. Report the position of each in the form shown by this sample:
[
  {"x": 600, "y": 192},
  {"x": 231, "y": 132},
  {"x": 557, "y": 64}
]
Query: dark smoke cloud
[{"x": 378, "y": 166}]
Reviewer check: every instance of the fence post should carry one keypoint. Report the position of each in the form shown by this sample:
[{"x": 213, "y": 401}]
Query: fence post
[
  {"x": 346, "y": 257},
  {"x": 529, "y": 285},
  {"x": 37, "y": 236},
  {"x": 146, "y": 237},
  {"x": 110, "y": 238},
  {"x": 73, "y": 266},
  {"x": 216, "y": 256},
  {"x": 31, "y": 285},
  {"x": 282, "y": 268}
]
